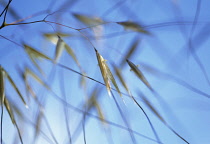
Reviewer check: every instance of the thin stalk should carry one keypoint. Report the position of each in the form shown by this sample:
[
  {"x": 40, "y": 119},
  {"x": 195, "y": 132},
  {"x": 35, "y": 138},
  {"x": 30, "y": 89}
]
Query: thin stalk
[
  {"x": 19, "y": 133},
  {"x": 64, "y": 107},
  {"x": 2, "y": 113},
  {"x": 169, "y": 111},
  {"x": 50, "y": 130},
  {"x": 190, "y": 46},
  {"x": 124, "y": 119},
  {"x": 150, "y": 123},
  {"x": 43, "y": 134},
  {"x": 54, "y": 95},
  {"x": 160, "y": 117},
  {"x": 83, "y": 128},
  {"x": 5, "y": 14}
]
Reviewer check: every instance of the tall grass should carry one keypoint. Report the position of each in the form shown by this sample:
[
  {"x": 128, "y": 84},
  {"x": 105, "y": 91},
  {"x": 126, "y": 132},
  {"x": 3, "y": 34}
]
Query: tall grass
[{"x": 104, "y": 72}]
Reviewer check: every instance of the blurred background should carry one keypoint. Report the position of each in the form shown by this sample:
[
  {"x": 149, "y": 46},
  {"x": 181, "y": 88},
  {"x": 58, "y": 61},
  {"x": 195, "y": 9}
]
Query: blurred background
[{"x": 66, "y": 78}]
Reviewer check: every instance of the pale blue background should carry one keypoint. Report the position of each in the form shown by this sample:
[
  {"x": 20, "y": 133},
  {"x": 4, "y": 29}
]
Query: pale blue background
[{"x": 165, "y": 50}]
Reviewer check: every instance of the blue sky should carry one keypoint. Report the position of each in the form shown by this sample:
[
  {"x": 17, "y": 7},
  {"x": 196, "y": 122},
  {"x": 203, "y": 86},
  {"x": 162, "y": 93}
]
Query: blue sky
[{"x": 166, "y": 50}]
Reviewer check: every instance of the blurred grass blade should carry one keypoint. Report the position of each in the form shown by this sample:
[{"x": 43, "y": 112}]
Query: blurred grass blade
[
  {"x": 15, "y": 109},
  {"x": 30, "y": 90},
  {"x": 153, "y": 109},
  {"x": 87, "y": 20},
  {"x": 161, "y": 118},
  {"x": 106, "y": 74},
  {"x": 38, "y": 123},
  {"x": 83, "y": 81},
  {"x": 139, "y": 74},
  {"x": 71, "y": 53},
  {"x": 34, "y": 53},
  {"x": 111, "y": 77},
  {"x": 15, "y": 87},
  {"x": 59, "y": 49},
  {"x": 53, "y": 37},
  {"x": 99, "y": 111},
  {"x": 60, "y": 46},
  {"x": 91, "y": 100},
  {"x": 11, "y": 115},
  {"x": 36, "y": 64},
  {"x": 161, "y": 74},
  {"x": 25, "y": 80},
  {"x": 131, "y": 50},
  {"x": 133, "y": 26},
  {"x": 2, "y": 88},
  {"x": 92, "y": 103},
  {"x": 32, "y": 74},
  {"x": 9, "y": 110},
  {"x": 119, "y": 75}
]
